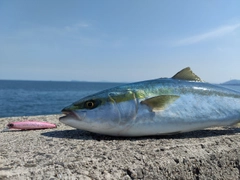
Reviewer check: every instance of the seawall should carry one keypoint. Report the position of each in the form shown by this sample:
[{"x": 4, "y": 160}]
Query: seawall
[{"x": 67, "y": 153}]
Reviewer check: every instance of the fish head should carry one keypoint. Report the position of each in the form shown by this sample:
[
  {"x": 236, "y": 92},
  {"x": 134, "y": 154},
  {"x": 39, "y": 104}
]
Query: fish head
[{"x": 105, "y": 112}]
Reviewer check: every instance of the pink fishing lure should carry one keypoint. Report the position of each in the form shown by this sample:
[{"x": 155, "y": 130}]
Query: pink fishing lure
[{"x": 30, "y": 125}]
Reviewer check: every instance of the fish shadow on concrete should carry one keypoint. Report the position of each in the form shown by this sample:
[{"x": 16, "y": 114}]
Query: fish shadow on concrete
[{"x": 85, "y": 135}]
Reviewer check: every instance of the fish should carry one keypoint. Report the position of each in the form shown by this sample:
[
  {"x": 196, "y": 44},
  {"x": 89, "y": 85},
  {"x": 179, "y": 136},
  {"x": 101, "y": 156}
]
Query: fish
[
  {"x": 160, "y": 106},
  {"x": 30, "y": 125}
]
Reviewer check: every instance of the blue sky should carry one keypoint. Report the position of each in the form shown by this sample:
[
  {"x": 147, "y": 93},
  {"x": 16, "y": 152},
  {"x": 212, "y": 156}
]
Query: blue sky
[{"x": 121, "y": 41}]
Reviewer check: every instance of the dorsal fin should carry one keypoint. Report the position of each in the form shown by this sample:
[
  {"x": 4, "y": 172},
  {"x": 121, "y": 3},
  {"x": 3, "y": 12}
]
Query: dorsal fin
[{"x": 187, "y": 74}]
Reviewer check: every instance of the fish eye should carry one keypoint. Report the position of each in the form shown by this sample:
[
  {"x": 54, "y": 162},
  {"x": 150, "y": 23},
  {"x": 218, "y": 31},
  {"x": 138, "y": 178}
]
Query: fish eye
[{"x": 90, "y": 104}]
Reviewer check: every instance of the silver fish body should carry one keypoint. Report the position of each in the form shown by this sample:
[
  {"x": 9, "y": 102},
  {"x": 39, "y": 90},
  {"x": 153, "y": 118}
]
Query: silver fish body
[{"x": 161, "y": 106}]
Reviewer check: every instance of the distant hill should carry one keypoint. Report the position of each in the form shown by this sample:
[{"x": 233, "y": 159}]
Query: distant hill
[{"x": 232, "y": 82}]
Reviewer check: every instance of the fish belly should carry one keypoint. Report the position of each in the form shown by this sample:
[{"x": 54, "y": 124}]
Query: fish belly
[{"x": 190, "y": 112}]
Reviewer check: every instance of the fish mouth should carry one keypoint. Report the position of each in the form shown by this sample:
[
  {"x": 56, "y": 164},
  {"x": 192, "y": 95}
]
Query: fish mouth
[{"x": 69, "y": 114}]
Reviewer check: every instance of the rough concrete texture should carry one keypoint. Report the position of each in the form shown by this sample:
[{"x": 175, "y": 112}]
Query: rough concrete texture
[{"x": 67, "y": 153}]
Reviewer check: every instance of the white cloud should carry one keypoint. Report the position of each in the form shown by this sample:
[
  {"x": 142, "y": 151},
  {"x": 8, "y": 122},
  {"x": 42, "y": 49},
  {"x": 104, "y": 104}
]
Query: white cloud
[
  {"x": 221, "y": 31},
  {"x": 76, "y": 27},
  {"x": 82, "y": 25}
]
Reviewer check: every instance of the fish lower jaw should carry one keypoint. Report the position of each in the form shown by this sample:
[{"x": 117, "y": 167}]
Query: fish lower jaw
[{"x": 69, "y": 115}]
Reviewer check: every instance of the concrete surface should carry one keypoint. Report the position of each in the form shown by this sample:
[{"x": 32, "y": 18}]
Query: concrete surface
[{"x": 67, "y": 153}]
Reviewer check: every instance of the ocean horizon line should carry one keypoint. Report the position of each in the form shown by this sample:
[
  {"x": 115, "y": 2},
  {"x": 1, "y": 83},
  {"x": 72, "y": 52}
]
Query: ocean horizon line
[{"x": 83, "y": 81}]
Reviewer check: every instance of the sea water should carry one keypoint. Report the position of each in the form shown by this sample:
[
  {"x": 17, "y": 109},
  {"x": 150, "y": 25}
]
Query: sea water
[{"x": 24, "y": 98}]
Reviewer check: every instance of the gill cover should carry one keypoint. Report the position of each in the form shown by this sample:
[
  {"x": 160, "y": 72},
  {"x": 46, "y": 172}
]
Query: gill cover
[{"x": 126, "y": 105}]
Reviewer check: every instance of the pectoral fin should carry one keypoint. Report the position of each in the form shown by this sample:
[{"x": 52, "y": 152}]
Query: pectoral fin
[{"x": 160, "y": 102}]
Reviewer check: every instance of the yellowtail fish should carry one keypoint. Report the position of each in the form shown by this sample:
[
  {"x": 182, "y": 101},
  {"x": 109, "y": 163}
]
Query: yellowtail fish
[{"x": 154, "y": 107}]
